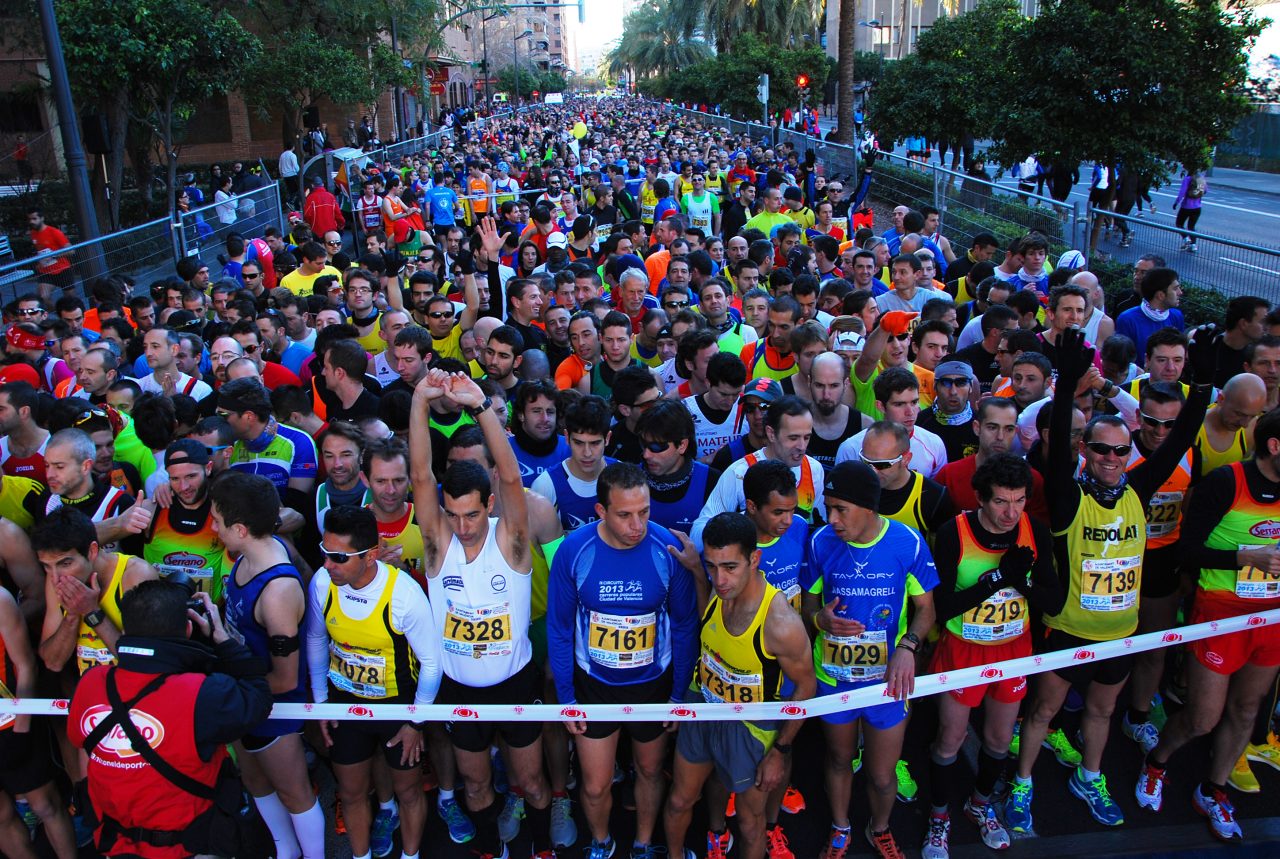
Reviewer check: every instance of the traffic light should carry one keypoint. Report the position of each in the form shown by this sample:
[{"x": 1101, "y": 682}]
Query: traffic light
[
  {"x": 762, "y": 89},
  {"x": 802, "y": 81}
]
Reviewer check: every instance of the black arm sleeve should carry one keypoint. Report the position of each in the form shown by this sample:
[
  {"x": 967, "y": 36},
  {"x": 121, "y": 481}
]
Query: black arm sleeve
[
  {"x": 941, "y": 510},
  {"x": 1209, "y": 503},
  {"x": 496, "y": 298},
  {"x": 1045, "y": 593},
  {"x": 231, "y": 701},
  {"x": 1060, "y": 463},
  {"x": 946, "y": 556},
  {"x": 712, "y": 479},
  {"x": 1151, "y": 474}
]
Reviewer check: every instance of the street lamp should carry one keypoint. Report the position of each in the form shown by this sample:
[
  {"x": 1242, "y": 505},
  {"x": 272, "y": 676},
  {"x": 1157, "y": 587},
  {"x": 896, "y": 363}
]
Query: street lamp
[
  {"x": 873, "y": 24},
  {"x": 515, "y": 46}
]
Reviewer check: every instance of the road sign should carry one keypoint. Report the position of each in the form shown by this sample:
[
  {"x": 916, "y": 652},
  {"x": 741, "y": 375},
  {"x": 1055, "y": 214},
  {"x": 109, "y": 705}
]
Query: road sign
[{"x": 437, "y": 89}]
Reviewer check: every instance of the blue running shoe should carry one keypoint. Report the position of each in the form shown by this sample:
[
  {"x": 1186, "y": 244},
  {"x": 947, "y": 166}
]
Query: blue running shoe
[
  {"x": 385, "y": 824},
  {"x": 461, "y": 829},
  {"x": 1097, "y": 797},
  {"x": 1017, "y": 808},
  {"x": 602, "y": 849}
]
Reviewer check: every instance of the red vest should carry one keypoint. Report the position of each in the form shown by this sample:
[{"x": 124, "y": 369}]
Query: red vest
[{"x": 124, "y": 787}]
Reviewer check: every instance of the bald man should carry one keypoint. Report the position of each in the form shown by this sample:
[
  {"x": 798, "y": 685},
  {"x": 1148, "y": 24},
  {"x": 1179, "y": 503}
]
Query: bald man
[
  {"x": 1227, "y": 433},
  {"x": 1097, "y": 325},
  {"x": 833, "y": 420}
]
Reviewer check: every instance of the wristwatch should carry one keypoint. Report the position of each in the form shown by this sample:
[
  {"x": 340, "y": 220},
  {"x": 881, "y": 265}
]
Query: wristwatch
[
  {"x": 480, "y": 409},
  {"x": 95, "y": 617},
  {"x": 782, "y": 748},
  {"x": 912, "y": 639}
]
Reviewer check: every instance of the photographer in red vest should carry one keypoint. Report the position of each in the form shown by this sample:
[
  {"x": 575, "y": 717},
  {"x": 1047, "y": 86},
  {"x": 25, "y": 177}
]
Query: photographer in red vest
[{"x": 185, "y": 701}]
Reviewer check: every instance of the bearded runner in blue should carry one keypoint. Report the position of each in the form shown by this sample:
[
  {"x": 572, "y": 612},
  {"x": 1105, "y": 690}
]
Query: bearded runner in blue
[
  {"x": 862, "y": 570},
  {"x": 622, "y": 629}
]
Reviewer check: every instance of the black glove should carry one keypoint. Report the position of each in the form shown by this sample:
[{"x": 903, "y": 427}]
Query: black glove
[
  {"x": 1203, "y": 354},
  {"x": 1074, "y": 359},
  {"x": 466, "y": 261},
  {"x": 992, "y": 580},
  {"x": 1015, "y": 564}
]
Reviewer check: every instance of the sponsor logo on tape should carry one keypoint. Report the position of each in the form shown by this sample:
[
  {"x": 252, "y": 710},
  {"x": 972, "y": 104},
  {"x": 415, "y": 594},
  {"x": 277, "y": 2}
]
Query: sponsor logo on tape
[
  {"x": 358, "y": 710},
  {"x": 572, "y": 713},
  {"x": 465, "y": 713}
]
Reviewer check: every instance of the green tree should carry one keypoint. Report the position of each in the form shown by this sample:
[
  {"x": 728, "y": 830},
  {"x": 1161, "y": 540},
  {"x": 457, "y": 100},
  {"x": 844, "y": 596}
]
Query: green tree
[
  {"x": 129, "y": 57},
  {"x": 846, "y": 75},
  {"x": 1144, "y": 83},
  {"x": 955, "y": 79},
  {"x": 655, "y": 40}
]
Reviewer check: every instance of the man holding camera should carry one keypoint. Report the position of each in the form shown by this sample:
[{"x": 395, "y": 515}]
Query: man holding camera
[{"x": 180, "y": 700}]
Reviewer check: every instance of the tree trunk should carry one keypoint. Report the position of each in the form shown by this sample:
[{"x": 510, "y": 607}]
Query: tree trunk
[
  {"x": 845, "y": 74},
  {"x": 904, "y": 29}
]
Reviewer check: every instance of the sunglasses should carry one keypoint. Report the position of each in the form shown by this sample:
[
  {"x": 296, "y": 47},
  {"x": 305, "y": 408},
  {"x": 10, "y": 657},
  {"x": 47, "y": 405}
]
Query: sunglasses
[
  {"x": 657, "y": 446},
  {"x": 30, "y": 311},
  {"x": 1156, "y": 422},
  {"x": 250, "y": 348},
  {"x": 88, "y": 416},
  {"x": 441, "y": 314},
  {"x": 250, "y": 276},
  {"x": 217, "y": 448},
  {"x": 899, "y": 337},
  {"x": 676, "y": 304},
  {"x": 882, "y": 464},
  {"x": 336, "y": 244},
  {"x": 835, "y": 189},
  {"x": 951, "y": 382},
  {"x": 752, "y": 408},
  {"x": 1103, "y": 449},
  {"x": 343, "y": 557}
]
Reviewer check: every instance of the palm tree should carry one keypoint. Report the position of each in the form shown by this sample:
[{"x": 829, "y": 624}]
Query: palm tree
[
  {"x": 845, "y": 76},
  {"x": 656, "y": 39}
]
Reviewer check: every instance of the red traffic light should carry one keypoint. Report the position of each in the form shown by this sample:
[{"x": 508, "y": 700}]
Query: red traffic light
[{"x": 802, "y": 81}]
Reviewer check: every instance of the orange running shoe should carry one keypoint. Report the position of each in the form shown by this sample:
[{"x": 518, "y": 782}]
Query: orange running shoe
[
  {"x": 793, "y": 801},
  {"x": 777, "y": 844},
  {"x": 731, "y": 809}
]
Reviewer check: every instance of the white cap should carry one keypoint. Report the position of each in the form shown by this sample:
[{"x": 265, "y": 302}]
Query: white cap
[
  {"x": 850, "y": 340},
  {"x": 557, "y": 240}
]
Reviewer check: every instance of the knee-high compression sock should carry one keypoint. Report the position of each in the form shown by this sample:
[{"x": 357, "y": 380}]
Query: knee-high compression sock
[
  {"x": 940, "y": 777},
  {"x": 990, "y": 766},
  {"x": 309, "y": 826},
  {"x": 276, "y": 816}
]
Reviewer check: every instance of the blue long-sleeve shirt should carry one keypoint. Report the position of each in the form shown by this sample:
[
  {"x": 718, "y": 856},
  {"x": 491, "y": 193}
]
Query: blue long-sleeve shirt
[{"x": 620, "y": 616}]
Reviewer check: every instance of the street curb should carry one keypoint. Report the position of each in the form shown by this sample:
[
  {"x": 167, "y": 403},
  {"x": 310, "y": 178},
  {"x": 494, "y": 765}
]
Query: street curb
[{"x": 1236, "y": 185}]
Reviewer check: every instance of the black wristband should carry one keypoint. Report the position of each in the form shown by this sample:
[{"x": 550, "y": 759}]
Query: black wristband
[
  {"x": 782, "y": 748},
  {"x": 480, "y": 409}
]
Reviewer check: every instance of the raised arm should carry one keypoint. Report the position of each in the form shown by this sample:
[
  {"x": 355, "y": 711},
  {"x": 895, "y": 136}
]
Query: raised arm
[{"x": 426, "y": 505}]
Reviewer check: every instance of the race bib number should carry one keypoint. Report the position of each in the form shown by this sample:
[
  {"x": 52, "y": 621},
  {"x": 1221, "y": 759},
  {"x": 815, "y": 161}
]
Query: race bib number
[
  {"x": 1000, "y": 617},
  {"x": 1109, "y": 584},
  {"x": 856, "y": 658},
  {"x": 721, "y": 685},
  {"x": 361, "y": 674},
  {"x": 478, "y": 632},
  {"x": 91, "y": 656},
  {"x": 621, "y": 641},
  {"x": 1255, "y": 584},
  {"x": 1163, "y": 513}
]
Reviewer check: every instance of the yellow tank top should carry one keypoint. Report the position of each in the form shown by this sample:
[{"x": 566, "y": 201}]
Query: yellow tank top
[
  {"x": 910, "y": 513},
  {"x": 372, "y": 343},
  {"x": 1210, "y": 458},
  {"x": 369, "y": 658},
  {"x": 404, "y": 532},
  {"x": 91, "y": 650},
  {"x": 648, "y": 203},
  {"x": 738, "y": 669},
  {"x": 1104, "y": 569}
]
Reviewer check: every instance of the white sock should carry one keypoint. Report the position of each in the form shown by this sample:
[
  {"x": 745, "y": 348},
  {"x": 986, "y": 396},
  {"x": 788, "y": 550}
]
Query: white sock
[
  {"x": 1020, "y": 780},
  {"x": 408, "y": 856},
  {"x": 1088, "y": 775},
  {"x": 368, "y": 855},
  {"x": 310, "y": 828},
  {"x": 389, "y": 805},
  {"x": 444, "y": 794},
  {"x": 276, "y": 816}
]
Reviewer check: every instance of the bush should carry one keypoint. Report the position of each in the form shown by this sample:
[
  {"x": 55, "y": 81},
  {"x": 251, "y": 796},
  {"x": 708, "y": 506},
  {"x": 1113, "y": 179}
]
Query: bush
[{"x": 1200, "y": 304}]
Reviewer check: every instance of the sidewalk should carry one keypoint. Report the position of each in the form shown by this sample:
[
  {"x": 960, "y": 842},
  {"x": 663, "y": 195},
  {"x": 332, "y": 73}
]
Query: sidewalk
[{"x": 1245, "y": 180}]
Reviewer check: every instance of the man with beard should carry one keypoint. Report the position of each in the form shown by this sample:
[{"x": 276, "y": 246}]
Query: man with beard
[
  {"x": 678, "y": 483},
  {"x": 182, "y": 538},
  {"x": 833, "y": 420},
  {"x": 502, "y": 353},
  {"x": 342, "y": 454},
  {"x": 995, "y": 422}
]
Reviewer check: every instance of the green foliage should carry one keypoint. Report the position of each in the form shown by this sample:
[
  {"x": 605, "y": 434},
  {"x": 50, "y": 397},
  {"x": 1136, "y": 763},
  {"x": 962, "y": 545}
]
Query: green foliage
[
  {"x": 729, "y": 80},
  {"x": 1146, "y": 83},
  {"x": 1199, "y": 305},
  {"x": 531, "y": 80},
  {"x": 947, "y": 84},
  {"x": 655, "y": 40}
]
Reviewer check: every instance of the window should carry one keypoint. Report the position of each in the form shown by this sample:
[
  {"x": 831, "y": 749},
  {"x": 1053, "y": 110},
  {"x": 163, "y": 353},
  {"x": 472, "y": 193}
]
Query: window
[{"x": 20, "y": 113}]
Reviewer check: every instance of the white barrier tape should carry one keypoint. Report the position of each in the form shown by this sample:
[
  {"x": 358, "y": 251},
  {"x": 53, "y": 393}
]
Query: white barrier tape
[{"x": 929, "y": 684}]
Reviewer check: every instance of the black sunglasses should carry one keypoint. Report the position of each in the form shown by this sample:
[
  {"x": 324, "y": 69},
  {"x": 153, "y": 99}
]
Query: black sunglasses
[
  {"x": 1103, "y": 449},
  {"x": 657, "y": 446},
  {"x": 343, "y": 557},
  {"x": 951, "y": 382},
  {"x": 441, "y": 314}
]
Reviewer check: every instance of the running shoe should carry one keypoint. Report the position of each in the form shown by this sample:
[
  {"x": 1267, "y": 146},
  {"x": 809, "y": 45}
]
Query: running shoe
[
  {"x": 857, "y": 761},
  {"x": 500, "y": 782},
  {"x": 1220, "y": 813},
  {"x": 382, "y": 833},
  {"x": 883, "y": 845},
  {"x": 1242, "y": 777},
  {"x": 1159, "y": 716},
  {"x": 984, "y": 817},
  {"x": 731, "y": 807},
  {"x": 793, "y": 801},
  {"x": 1144, "y": 734},
  {"x": 461, "y": 829},
  {"x": 777, "y": 846},
  {"x": 510, "y": 816},
  {"x": 564, "y": 831},
  {"x": 602, "y": 849},
  {"x": 837, "y": 844},
  {"x": 1097, "y": 797},
  {"x": 1192, "y": 247},
  {"x": 907, "y": 787},
  {"x": 29, "y": 817},
  {"x": 1017, "y": 808},
  {"x": 1057, "y": 742},
  {"x": 505, "y": 854},
  {"x": 545, "y": 854},
  {"x": 1268, "y": 753},
  {"x": 718, "y": 846},
  {"x": 1015, "y": 744},
  {"x": 936, "y": 844},
  {"x": 1150, "y": 788},
  {"x": 649, "y": 851}
]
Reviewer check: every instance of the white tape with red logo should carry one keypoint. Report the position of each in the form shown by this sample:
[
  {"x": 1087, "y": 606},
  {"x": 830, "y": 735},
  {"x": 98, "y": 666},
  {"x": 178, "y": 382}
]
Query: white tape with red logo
[{"x": 929, "y": 684}]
